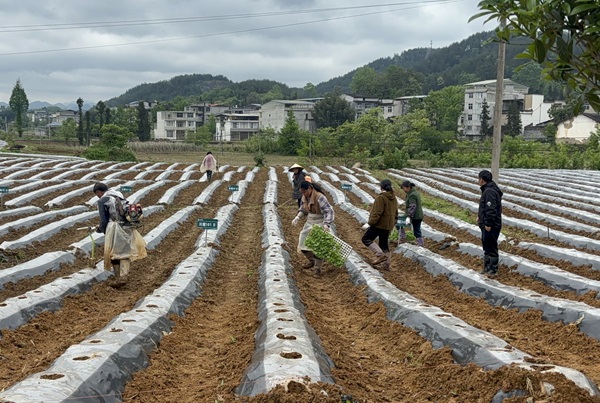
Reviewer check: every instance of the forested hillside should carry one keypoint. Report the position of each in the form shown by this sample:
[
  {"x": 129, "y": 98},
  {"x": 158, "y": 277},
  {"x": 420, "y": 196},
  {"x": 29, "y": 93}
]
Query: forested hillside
[
  {"x": 429, "y": 69},
  {"x": 466, "y": 61}
]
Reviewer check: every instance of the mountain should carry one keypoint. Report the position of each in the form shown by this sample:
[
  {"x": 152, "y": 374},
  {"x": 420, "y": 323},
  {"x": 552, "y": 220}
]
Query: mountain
[{"x": 472, "y": 59}]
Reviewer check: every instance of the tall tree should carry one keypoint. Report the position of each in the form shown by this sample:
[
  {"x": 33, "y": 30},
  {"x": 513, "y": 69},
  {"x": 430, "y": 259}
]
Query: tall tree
[
  {"x": 289, "y": 136},
  {"x": 365, "y": 81},
  {"x": 108, "y": 119},
  {"x": 486, "y": 129},
  {"x": 80, "y": 125},
  {"x": 444, "y": 107},
  {"x": 19, "y": 104},
  {"x": 513, "y": 126},
  {"x": 88, "y": 127},
  {"x": 67, "y": 130},
  {"x": 332, "y": 111},
  {"x": 564, "y": 37},
  {"x": 143, "y": 130},
  {"x": 101, "y": 107}
]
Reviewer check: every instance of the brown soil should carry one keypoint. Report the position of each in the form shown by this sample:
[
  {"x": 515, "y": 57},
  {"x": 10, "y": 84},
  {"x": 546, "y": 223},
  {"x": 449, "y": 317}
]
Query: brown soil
[{"x": 376, "y": 360}]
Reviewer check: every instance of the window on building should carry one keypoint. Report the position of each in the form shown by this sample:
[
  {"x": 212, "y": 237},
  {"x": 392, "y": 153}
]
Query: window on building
[
  {"x": 469, "y": 118},
  {"x": 179, "y": 115},
  {"x": 169, "y": 133},
  {"x": 469, "y": 128},
  {"x": 470, "y": 95},
  {"x": 208, "y": 109},
  {"x": 390, "y": 109},
  {"x": 190, "y": 115},
  {"x": 470, "y": 106},
  {"x": 169, "y": 123},
  {"x": 180, "y": 124}
]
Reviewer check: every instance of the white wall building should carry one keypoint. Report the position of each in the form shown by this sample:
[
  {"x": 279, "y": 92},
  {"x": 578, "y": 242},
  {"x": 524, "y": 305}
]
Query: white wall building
[
  {"x": 578, "y": 129},
  {"x": 274, "y": 113},
  {"x": 237, "y": 126},
  {"x": 469, "y": 125},
  {"x": 174, "y": 125}
]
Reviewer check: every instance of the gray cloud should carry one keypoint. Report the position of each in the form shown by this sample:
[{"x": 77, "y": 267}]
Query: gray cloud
[{"x": 299, "y": 51}]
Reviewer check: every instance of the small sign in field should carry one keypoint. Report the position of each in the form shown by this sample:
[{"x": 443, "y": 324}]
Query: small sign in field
[{"x": 207, "y": 223}]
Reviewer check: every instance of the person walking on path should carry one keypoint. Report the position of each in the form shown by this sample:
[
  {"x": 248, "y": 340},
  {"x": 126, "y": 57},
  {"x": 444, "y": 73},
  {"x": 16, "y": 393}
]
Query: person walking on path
[
  {"x": 318, "y": 211},
  {"x": 209, "y": 165},
  {"x": 382, "y": 219},
  {"x": 489, "y": 219},
  {"x": 297, "y": 178},
  {"x": 414, "y": 211}
]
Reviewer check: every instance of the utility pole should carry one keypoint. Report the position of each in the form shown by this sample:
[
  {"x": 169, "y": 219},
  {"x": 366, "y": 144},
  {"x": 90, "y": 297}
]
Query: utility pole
[{"x": 497, "y": 134}]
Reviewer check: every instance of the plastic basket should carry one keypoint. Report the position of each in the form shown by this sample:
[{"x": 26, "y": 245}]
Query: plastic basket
[{"x": 345, "y": 250}]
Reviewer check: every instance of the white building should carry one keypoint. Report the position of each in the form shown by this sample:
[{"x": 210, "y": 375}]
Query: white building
[
  {"x": 237, "y": 126},
  {"x": 361, "y": 103},
  {"x": 469, "y": 125},
  {"x": 274, "y": 113},
  {"x": 174, "y": 125},
  {"x": 578, "y": 129}
]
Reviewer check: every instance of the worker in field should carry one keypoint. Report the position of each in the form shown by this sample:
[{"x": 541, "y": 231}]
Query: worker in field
[
  {"x": 489, "y": 219},
  {"x": 209, "y": 165},
  {"x": 122, "y": 243},
  {"x": 382, "y": 219},
  {"x": 297, "y": 178},
  {"x": 413, "y": 211},
  {"x": 318, "y": 211}
]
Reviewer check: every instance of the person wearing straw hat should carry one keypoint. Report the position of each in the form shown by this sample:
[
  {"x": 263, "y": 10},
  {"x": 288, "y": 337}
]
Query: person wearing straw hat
[
  {"x": 297, "y": 178},
  {"x": 382, "y": 219},
  {"x": 318, "y": 211}
]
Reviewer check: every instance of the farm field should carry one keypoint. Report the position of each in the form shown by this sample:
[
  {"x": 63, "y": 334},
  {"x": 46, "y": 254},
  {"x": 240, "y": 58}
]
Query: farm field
[{"x": 227, "y": 314}]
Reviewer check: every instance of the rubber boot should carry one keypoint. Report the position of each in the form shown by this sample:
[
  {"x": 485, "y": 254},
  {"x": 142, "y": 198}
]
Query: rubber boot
[
  {"x": 494, "y": 265},
  {"x": 486, "y": 264},
  {"x": 318, "y": 267},
  {"x": 388, "y": 261},
  {"x": 420, "y": 242},
  {"x": 379, "y": 256},
  {"x": 311, "y": 260},
  {"x": 401, "y": 236}
]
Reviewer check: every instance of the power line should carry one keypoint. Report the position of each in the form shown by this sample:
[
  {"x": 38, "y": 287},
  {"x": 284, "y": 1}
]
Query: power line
[
  {"x": 413, "y": 5},
  {"x": 106, "y": 24}
]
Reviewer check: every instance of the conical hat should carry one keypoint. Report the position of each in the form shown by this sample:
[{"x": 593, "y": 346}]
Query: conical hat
[{"x": 296, "y": 166}]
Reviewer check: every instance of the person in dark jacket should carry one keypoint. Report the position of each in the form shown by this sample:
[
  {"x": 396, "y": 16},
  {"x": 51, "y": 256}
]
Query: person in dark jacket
[
  {"x": 382, "y": 219},
  {"x": 413, "y": 210},
  {"x": 489, "y": 219},
  {"x": 108, "y": 209},
  {"x": 297, "y": 178}
]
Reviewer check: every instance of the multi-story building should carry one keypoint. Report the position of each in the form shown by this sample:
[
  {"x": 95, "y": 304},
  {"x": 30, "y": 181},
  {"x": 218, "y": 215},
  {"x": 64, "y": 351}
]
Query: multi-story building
[
  {"x": 237, "y": 124},
  {"x": 174, "y": 125},
  {"x": 274, "y": 113},
  {"x": 469, "y": 125},
  {"x": 361, "y": 103}
]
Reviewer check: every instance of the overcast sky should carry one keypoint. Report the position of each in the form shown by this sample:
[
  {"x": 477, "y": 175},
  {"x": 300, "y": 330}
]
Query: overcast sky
[{"x": 99, "y": 49}]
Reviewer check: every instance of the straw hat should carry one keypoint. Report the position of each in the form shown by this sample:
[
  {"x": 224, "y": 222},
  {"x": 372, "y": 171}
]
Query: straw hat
[{"x": 295, "y": 166}]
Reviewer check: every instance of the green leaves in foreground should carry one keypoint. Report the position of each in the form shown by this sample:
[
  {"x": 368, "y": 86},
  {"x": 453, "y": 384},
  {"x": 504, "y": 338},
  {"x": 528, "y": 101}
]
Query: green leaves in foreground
[{"x": 324, "y": 246}]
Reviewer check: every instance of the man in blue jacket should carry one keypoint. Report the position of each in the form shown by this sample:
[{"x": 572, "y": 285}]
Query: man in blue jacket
[{"x": 489, "y": 219}]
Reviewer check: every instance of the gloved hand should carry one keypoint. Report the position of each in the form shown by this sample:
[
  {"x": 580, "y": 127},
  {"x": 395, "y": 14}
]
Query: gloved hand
[
  {"x": 295, "y": 221},
  {"x": 365, "y": 226},
  {"x": 326, "y": 227},
  {"x": 407, "y": 220}
]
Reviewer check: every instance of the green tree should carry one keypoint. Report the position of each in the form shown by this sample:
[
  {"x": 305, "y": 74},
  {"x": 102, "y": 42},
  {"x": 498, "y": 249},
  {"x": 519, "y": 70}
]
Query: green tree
[
  {"x": 88, "y": 127},
  {"x": 101, "y": 108},
  {"x": 80, "y": 124},
  {"x": 513, "y": 125},
  {"x": 289, "y": 136},
  {"x": 444, "y": 107},
  {"x": 532, "y": 75},
  {"x": 332, "y": 111},
  {"x": 486, "y": 129},
  {"x": 365, "y": 81},
  {"x": 112, "y": 145},
  {"x": 143, "y": 129},
  {"x": 310, "y": 91},
  {"x": 67, "y": 130},
  {"x": 19, "y": 104},
  {"x": 203, "y": 134},
  {"x": 399, "y": 82},
  {"x": 564, "y": 36}
]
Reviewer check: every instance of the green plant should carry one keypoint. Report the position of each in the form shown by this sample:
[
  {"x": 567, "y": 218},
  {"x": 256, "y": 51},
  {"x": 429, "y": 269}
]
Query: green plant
[
  {"x": 324, "y": 246},
  {"x": 259, "y": 159}
]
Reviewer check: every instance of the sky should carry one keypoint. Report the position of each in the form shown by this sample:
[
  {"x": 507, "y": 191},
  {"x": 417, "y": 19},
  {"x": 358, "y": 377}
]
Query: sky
[{"x": 97, "y": 50}]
